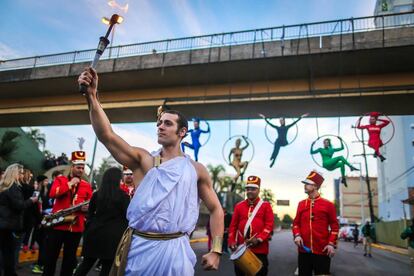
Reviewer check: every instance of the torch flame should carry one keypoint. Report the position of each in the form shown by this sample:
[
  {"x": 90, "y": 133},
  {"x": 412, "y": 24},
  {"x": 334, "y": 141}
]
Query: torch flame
[{"x": 115, "y": 5}]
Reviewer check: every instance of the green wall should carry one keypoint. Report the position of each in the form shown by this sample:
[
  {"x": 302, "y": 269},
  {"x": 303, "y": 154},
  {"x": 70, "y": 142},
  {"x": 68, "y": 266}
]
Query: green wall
[{"x": 389, "y": 232}]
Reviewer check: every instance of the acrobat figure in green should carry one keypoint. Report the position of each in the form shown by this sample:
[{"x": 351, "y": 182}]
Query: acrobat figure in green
[
  {"x": 331, "y": 163},
  {"x": 282, "y": 130}
]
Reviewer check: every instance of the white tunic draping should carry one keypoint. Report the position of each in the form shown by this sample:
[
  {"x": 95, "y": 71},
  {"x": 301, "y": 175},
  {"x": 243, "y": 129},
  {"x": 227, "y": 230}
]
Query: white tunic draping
[{"x": 166, "y": 201}]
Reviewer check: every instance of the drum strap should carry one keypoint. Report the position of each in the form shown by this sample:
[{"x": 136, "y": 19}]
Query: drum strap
[{"x": 252, "y": 215}]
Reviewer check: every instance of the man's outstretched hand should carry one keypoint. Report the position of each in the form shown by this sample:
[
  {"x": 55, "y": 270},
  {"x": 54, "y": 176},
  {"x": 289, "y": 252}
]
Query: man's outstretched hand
[{"x": 210, "y": 261}]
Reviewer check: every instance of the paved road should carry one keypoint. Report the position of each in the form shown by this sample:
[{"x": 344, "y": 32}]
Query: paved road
[
  {"x": 348, "y": 260},
  {"x": 282, "y": 259}
]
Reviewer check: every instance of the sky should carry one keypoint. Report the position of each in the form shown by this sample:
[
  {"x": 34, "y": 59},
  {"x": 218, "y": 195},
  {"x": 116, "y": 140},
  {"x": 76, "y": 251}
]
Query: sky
[{"x": 30, "y": 28}]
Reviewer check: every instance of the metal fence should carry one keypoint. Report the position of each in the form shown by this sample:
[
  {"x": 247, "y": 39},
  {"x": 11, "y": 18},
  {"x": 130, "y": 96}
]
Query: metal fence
[{"x": 281, "y": 33}]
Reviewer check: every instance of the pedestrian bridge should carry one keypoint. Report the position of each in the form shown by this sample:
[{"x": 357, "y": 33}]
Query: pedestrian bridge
[{"x": 332, "y": 68}]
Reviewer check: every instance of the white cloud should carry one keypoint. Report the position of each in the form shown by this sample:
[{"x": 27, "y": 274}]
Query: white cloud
[
  {"x": 187, "y": 17},
  {"x": 7, "y": 52}
]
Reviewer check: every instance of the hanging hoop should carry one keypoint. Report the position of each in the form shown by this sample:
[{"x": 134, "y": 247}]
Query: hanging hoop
[
  {"x": 358, "y": 135},
  {"x": 223, "y": 151},
  {"x": 208, "y": 136},
  {"x": 274, "y": 140},
  {"x": 326, "y": 136}
]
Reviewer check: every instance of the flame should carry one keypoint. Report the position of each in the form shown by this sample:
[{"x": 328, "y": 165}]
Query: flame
[{"x": 115, "y": 5}]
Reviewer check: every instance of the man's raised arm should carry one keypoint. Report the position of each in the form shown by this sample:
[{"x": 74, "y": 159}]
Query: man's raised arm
[{"x": 120, "y": 150}]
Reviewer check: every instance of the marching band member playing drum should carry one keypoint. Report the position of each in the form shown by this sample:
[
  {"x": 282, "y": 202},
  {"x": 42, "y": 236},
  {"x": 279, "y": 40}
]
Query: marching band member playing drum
[
  {"x": 252, "y": 223},
  {"x": 315, "y": 229},
  {"x": 67, "y": 191}
]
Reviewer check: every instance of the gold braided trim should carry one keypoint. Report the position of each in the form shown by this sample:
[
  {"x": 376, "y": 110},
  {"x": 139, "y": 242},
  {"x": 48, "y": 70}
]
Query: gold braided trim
[{"x": 158, "y": 236}]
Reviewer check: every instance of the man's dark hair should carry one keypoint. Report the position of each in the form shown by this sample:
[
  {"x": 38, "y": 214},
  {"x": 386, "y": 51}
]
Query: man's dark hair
[
  {"x": 56, "y": 173},
  {"x": 181, "y": 121}
]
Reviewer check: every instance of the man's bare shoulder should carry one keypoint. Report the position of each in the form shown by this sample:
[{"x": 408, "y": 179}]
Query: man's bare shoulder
[
  {"x": 143, "y": 158},
  {"x": 200, "y": 169}
]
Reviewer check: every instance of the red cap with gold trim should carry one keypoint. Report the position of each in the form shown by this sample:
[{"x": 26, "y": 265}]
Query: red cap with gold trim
[
  {"x": 78, "y": 157},
  {"x": 314, "y": 178},
  {"x": 126, "y": 170},
  {"x": 253, "y": 182}
]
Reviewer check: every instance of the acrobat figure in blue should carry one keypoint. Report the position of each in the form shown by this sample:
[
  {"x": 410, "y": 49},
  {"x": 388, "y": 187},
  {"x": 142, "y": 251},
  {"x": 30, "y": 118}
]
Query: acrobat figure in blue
[
  {"x": 281, "y": 140},
  {"x": 195, "y": 137}
]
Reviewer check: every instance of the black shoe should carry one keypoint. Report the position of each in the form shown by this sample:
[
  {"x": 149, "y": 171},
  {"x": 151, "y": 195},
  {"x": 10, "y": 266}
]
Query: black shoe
[
  {"x": 354, "y": 169},
  {"x": 343, "y": 181},
  {"x": 365, "y": 254},
  {"x": 382, "y": 158}
]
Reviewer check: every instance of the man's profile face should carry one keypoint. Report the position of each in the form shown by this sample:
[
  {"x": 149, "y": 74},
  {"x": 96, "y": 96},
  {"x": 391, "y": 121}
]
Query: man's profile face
[
  {"x": 309, "y": 188},
  {"x": 168, "y": 133},
  {"x": 196, "y": 124},
  {"x": 77, "y": 170},
  {"x": 252, "y": 193}
]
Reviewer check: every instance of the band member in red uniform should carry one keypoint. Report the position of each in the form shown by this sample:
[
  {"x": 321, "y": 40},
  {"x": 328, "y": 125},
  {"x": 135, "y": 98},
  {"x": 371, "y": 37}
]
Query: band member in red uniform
[
  {"x": 255, "y": 231},
  {"x": 374, "y": 131},
  {"x": 315, "y": 229},
  {"x": 128, "y": 185},
  {"x": 67, "y": 191}
]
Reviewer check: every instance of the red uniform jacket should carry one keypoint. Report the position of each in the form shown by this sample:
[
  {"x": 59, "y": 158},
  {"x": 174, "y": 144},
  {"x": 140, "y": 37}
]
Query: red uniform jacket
[
  {"x": 65, "y": 198},
  {"x": 316, "y": 223},
  {"x": 262, "y": 225},
  {"x": 129, "y": 190}
]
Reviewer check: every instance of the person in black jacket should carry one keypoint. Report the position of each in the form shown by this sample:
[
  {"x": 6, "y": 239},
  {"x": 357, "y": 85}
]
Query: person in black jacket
[
  {"x": 106, "y": 222},
  {"x": 12, "y": 205}
]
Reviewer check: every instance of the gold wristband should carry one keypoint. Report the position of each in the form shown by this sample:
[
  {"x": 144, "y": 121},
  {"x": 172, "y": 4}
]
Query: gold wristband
[{"x": 217, "y": 245}]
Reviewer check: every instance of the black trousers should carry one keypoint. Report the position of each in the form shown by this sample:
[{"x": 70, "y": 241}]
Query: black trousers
[
  {"x": 262, "y": 272},
  {"x": 87, "y": 263},
  {"x": 309, "y": 263},
  {"x": 7, "y": 247},
  {"x": 55, "y": 240}
]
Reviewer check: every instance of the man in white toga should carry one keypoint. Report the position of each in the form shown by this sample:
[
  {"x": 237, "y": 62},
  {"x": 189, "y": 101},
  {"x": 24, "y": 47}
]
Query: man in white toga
[{"x": 165, "y": 207}]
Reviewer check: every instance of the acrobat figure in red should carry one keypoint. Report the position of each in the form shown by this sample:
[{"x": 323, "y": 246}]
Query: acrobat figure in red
[{"x": 374, "y": 132}]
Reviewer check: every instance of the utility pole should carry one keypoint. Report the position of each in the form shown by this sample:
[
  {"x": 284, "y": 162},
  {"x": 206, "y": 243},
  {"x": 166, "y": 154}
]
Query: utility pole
[{"x": 367, "y": 181}]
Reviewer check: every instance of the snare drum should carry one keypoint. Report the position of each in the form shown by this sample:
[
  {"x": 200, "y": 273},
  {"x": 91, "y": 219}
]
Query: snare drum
[{"x": 246, "y": 260}]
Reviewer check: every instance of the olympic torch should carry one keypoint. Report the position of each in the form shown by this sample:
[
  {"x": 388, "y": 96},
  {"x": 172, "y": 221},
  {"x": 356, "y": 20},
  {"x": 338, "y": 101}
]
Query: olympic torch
[{"x": 103, "y": 43}]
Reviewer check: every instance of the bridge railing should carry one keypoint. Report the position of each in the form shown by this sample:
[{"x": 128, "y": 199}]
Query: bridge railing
[{"x": 281, "y": 33}]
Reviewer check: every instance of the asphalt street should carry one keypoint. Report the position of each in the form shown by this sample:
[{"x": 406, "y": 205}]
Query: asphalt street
[{"x": 283, "y": 260}]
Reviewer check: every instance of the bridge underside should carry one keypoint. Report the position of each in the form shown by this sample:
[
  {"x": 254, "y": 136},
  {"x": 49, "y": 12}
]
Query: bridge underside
[{"x": 325, "y": 84}]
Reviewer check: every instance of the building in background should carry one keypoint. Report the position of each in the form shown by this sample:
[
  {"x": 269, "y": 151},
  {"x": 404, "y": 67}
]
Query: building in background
[
  {"x": 386, "y": 7},
  {"x": 352, "y": 201},
  {"x": 396, "y": 174}
]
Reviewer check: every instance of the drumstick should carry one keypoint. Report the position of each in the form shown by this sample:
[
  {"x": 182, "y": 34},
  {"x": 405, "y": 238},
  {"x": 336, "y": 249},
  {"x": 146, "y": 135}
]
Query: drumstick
[{"x": 246, "y": 241}]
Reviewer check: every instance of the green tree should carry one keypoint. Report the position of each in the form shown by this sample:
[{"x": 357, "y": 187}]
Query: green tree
[
  {"x": 8, "y": 145},
  {"x": 38, "y": 137},
  {"x": 214, "y": 174},
  {"x": 277, "y": 219},
  {"x": 287, "y": 219},
  {"x": 268, "y": 195}
]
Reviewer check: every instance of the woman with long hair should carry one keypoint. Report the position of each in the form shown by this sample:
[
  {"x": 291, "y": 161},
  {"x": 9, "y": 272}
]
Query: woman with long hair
[
  {"x": 105, "y": 223},
  {"x": 12, "y": 205}
]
